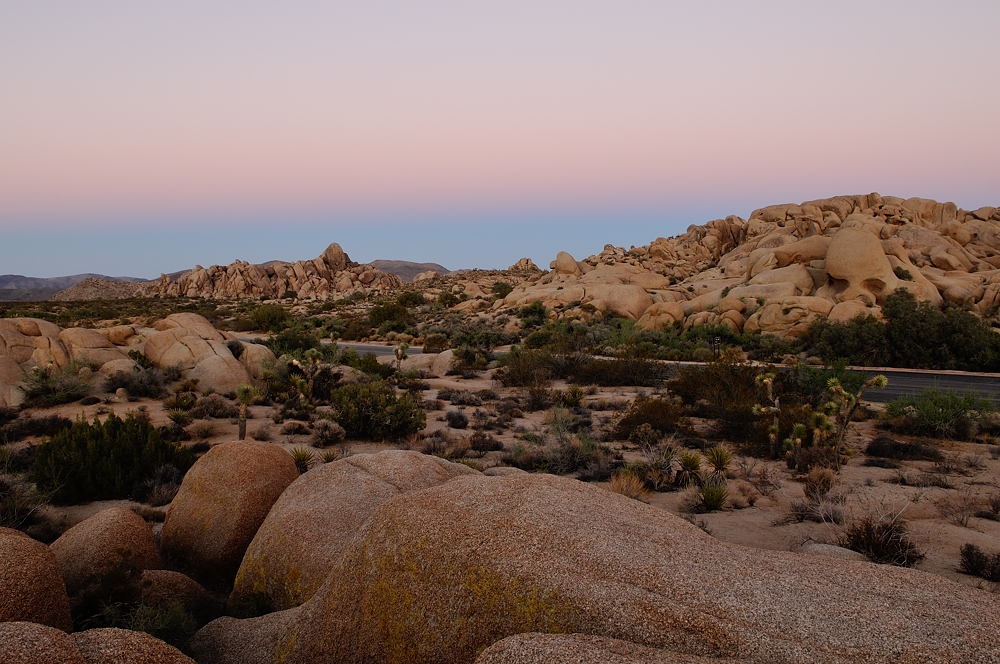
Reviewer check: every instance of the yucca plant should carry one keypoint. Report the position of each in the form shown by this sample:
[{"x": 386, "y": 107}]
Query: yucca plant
[
  {"x": 690, "y": 469},
  {"x": 330, "y": 456},
  {"x": 181, "y": 401},
  {"x": 303, "y": 458},
  {"x": 179, "y": 416},
  {"x": 245, "y": 395},
  {"x": 718, "y": 459},
  {"x": 713, "y": 494}
]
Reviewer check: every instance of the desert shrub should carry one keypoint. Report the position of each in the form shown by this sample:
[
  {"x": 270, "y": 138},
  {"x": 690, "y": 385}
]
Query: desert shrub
[
  {"x": 887, "y": 448},
  {"x": 819, "y": 483},
  {"x": 7, "y": 414},
  {"x": 19, "y": 502},
  {"x": 293, "y": 341},
  {"x": 625, "y": 370},
  {"x": 448, "y": 300},
  {"x": 26, "y": 425},
  {"x": 50, "y": 386},
  {"x": 713, "y": 494},
  {"x": 464, "y": 398},
  {"x": 435, "y": 343},
  {"x": 327, "y": 433},
  {"x": 958, "y": 507},
  {"x": 269, "y": 317},
  {"x": 727, "y": 391},
  {"x": 501, "y": 289},
  {"x": 103, "y": 460},
  {"x": 374, "y": 411},
  {"x": 295, "y": 428},
  {"x": 940, "y": 413},
  {"x": 262, "y": 432},
  {"x": 202, "y": 430},
  {"x": 882, "y": 535},
  {"x": 523, "y": 368},
  {"x": 160, "y": 488},
  {"x": 660, "y": 414},
  {"x": 481, "y": 443},
  {"x": 975, "y": 562},
  {"x": 368, "y": 364},
  {"x": 148, "y": 383},
  {"x": 214, "y": 406},
  {"x": 457, "y": 419},
  {"x": 629, "y": 486},
  {"x": 391, "y": 312},
  {"x": 533, "y": 315}
]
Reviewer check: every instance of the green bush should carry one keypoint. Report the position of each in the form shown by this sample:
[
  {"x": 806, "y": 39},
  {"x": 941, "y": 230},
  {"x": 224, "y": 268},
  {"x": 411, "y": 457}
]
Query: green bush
[
  {"x": 374, "y": 411},
  {"x": 49, "y": 386},
  {"x": 103, "y": 460},
  {"x": 534, "y": 314},
  {"x": 391, "y": 312},
  {"x": 411, "y": 299},
  {"x": 661, "y": 415},
  {"x": 293, "y": 341},
  {"x": 448, "y": 300},
  {"x": 269, "y": 317},
  {"x": 940, "y": 413},
  {"x": 501, "y": 289},
  {"x": 23, "y": 427},
  {"x": 147, "y": 383}
]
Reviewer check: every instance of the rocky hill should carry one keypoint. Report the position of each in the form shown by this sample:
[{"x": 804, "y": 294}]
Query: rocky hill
[
  {"x": 406, "y": 270},
  {"x": 331, "y": 274},
  {"x": 776, "y": 272},
  {"x": 97, "y": 289}
]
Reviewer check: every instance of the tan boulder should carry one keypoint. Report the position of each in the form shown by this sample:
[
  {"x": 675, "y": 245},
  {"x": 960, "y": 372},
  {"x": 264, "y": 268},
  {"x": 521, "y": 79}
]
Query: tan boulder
[
  {"x": 660, "y": 314},
  {"x": 197, "y": 325},
  {"x": 31, "y": 327},
  {"x": 426, "y": 276},
  {"x": 624, "y": 300},
  {"x": 86, "y": 345},
  {"x": 251, "y": 641},
  {"x": 24, "y": 642},
  {"x": 442, "y": 573},
  {"x": 442, "y": 363},
  {"x": 16, "y": 346},
  {"x": 113, "y": 539},
  {"x": 734, "y": 320},
  {"x": 650, "y": 280},
  {"x": 525, "y": 266},
  {"x": 730, "y": 303},
  {"x": 788, "y": 317},
  {"x": 308, "y": 529},
  {"x": 764, "y": 291},
  {"x": 221, "y": 373},
  {"x": 565, "y": 264},
  {"x": 335, "y": 257},
  {"x": 255, "y": 358},
  {"x": 222, "y": 501},
  {"x": 177, "y": 347},
  {"x": 10, "y": 395},
  {"x": 792, "y": 274},
  {"x": 161, "y": 588},
  {"x": 121, "y": 646},
  {"x": 49, "y": 351},
  {"x": 804, "y": 251},
  {"x": 859, "y": 265},
  {"x": 831, "y": 551},
  {"x": 119, "y": 335},
  {"x": 845, "y": 312},
  {"x": 535, "y": 648},
  {"x": 126, "y": 365},
  {"x": 10, "y": 371},
  {"x": 31, "y": 588}
]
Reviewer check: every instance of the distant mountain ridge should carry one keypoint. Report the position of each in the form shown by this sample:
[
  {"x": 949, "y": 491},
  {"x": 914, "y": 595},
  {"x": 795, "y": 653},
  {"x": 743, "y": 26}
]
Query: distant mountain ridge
[
  {"x": 406, "y": 270},
  {"x": 54, "y": 283}
]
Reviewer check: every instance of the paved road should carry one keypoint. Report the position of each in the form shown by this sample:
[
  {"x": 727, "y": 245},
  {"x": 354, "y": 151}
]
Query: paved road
[{"x": 902, "y": 382}]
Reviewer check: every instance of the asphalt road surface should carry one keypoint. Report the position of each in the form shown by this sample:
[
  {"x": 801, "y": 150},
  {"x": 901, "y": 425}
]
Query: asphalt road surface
[{"x": 902, "y": 382}]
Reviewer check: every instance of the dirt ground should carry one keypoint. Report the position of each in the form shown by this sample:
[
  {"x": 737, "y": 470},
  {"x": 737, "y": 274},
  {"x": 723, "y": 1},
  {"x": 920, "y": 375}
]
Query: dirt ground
[{"x": 765, "y": 525}]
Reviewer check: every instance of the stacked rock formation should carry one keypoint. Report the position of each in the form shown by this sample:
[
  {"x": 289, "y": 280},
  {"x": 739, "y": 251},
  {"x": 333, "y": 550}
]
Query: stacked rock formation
[
  {"x": 776, "y": 272},
  {"x": 332, "y": 274},
  {"x": 186, "y": 341}
]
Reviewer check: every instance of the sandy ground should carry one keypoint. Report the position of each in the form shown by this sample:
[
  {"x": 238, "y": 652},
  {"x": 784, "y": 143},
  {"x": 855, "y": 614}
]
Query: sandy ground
[{"x": 765, "y": 525}]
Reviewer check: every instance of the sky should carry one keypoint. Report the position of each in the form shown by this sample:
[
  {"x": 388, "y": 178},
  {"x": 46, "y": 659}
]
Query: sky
[{"x": 140, "y": 138}]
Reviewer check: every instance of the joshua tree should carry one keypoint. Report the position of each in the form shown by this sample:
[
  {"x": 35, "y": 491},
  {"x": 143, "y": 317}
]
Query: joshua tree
[
  {"x": 767, "y": 380},
  {"x": 246, "y": 395},
  {"x": 400, "y": 352}
]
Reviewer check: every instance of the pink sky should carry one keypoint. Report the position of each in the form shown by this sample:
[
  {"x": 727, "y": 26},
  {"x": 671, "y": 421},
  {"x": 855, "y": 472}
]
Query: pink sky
[{"x": 129, "y": 112}]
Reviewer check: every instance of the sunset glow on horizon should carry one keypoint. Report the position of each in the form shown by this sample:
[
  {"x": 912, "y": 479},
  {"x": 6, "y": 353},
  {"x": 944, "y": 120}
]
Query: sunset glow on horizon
[{"x": 121, "y": 118}]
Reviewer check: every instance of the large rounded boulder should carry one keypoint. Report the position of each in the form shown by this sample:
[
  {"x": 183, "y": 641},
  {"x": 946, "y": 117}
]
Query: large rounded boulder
[
  {"x": 122, "y": 646},
  {"x": 31, "y": 588},
  {"x": 31, "y": 643},
  {"x": 535, "y": 648},
  {"x": 222, "y": 501},
  {"x": 110, "y": 542},
  {"x": 439, "y": 575},
  {"x": 309, "y": 527},
  {"x": 162, "y": 588}
]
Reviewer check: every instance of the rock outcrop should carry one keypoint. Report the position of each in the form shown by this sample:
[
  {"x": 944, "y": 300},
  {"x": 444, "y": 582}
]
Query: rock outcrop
[
  {"x": 534, "y": 648},
  {"x": 222, "y": 501},
  {"x": 111, "y": 540},
  {"x": 842, "y": 249},
  {"x": 121, "y": 646},
  {"x": 443, "y": 573},
  {"x": 31, "y": 643},
  {"x": 332, "y": 274},
  {"x": 31, "y": 588},
  {"x": 161, "y": 587},
  {"x": 185, "y": 341},
  {"x": 309, "y": 527}
]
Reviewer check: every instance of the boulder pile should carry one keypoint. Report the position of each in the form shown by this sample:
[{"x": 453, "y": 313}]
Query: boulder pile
[
  {"x": 332, "y": 274},
  {"x": 776, "y": 272},
  {"x": 186, "y": 341}
]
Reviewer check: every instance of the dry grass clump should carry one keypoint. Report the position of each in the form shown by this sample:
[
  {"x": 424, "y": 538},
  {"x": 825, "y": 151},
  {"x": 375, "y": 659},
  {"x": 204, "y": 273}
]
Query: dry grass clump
[
  {"x": 975, "y": 562},
  {"x": 629, "y": 486},
  {"x": 202, "y": 430},
  {"x": 881, "y": 534},
  {"x": 263, "y": 433},
  {"x": 959, "y": 507}
]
